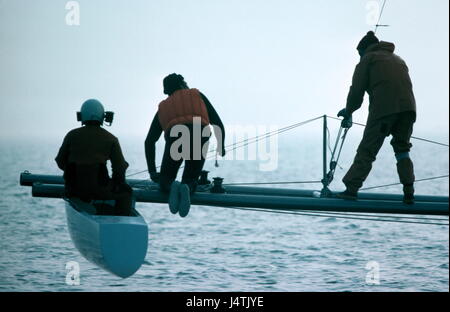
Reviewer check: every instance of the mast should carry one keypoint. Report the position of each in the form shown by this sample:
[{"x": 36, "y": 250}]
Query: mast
[{"x": 325, "y": 192}]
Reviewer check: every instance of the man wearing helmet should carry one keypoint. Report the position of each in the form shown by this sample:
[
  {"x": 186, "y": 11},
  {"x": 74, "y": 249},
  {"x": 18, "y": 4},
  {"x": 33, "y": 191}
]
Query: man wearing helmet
[
  {"x": 182, "y": 108},
  {"x": 83, "y": 156},
  {"x": 392, "y": 111}
]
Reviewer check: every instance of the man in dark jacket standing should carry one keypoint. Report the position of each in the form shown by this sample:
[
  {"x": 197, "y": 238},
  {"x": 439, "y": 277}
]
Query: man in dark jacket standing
[
  {"x": 83, "y": 156},
  {"x": 392, "y": 111}
]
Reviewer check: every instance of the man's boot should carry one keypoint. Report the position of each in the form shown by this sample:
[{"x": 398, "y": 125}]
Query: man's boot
[
  {"x": 348, "y": 194},
  {"x": 408, "y": 194},
  {"x": 405, "y": 171}
]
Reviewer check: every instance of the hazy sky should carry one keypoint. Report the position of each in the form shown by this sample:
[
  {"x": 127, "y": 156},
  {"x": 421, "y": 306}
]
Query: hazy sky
[{"x": 259, "y": 62}]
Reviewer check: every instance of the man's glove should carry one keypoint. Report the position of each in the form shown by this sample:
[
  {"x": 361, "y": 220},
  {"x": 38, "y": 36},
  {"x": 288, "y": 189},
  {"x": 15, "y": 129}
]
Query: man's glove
[
  {"x": 154, "y": 176},
  {"x": 347, "y": 121},
  {"x": 343, "y": 113}
]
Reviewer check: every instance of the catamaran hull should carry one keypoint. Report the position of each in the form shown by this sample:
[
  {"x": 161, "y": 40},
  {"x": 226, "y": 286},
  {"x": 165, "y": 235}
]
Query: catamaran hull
[{"x": 118, "y": 244}]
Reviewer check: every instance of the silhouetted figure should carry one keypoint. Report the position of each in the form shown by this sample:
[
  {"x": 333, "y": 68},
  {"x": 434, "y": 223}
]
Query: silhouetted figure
[
  {"x": 83, "y": 156},
  {"x": 392, "y": 111},
  {"x": 184, "y": 106}
]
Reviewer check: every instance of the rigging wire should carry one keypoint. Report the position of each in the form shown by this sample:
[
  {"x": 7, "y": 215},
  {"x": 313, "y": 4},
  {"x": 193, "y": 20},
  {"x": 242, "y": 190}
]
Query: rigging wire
[
  {"x": 284, "y": 129},
  {"x": 329, "y": 140},
  {"x": 352, "y": 216},
  {"x": 312, "y": 182},
  {"x": 139, "y": 172},
  {"x": 329, "y": 145},
  {"x": 377, "y": 215},
  {"x": 394, "y": 184},
  {"x": 249, "y": 141},
  {"x": 318, "y": 181},
  {"x": 338, "y": 216},
  {"x": 379, "y": 18},
  {"x": 281, "y": 130},
  {"x": 268, "y": 134},
  {"x": 413, "y": 137}
]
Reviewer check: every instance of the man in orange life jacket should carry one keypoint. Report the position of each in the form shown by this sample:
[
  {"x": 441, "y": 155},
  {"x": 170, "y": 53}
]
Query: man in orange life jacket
[
  {"x": 183, "y": 107},
  {"x": 392, "y": 111},
  {"x": 83, "y": 156}
]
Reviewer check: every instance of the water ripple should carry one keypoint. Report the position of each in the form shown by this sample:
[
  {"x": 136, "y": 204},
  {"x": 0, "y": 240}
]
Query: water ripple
[{"x": 219, "y": 249}]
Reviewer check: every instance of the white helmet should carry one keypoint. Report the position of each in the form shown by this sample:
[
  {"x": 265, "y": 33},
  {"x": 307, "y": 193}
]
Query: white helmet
[{"x": 92, "y": 110}]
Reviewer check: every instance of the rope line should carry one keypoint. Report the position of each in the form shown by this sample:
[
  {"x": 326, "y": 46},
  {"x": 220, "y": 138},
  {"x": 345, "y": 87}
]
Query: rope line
[
  {"x": 255, "y": 139},
  {"x": 413, "y": 137},
  {"x": 394, "y": 184},
  {"x": 379, "y": 215},
  {"x": 249, "y": 141},
  {"x": 429, "y": 141},
  {"x": 136, "y": 173},
  {"x": 281, "y": 130},
  {"x": 321, "y": 214},
  {"x": 317, "y": 182},
  {"x": 379, "y": 18}
]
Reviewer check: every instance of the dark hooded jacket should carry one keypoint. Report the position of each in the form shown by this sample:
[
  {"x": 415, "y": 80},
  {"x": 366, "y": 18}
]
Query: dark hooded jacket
[
  {"x": 385, "y": 77},
  {"x": 83, "y": 156}
]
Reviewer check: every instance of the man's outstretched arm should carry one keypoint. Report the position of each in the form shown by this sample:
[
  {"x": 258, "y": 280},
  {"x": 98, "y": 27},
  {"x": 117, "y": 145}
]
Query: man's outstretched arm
[
  {"x": 359, "y": 86},
  {"x": 214, "y": 119},
  {"x": 153, "y": 136}
]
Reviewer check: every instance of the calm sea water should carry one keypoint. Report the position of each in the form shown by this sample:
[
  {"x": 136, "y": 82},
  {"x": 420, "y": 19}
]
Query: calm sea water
[{"x": 221, "y": 249}]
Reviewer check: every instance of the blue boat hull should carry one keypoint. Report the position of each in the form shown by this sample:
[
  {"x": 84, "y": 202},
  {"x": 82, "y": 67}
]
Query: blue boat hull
[{"x": 118, "y": 244}]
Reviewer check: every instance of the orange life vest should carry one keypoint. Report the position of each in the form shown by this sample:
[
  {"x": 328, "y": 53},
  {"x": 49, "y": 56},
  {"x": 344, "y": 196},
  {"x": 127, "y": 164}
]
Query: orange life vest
[{"x": 181, "y": 107}]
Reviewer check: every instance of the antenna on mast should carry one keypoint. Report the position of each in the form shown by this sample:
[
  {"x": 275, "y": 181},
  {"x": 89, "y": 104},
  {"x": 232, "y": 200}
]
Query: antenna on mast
[{"x": 379, "y": 18}]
